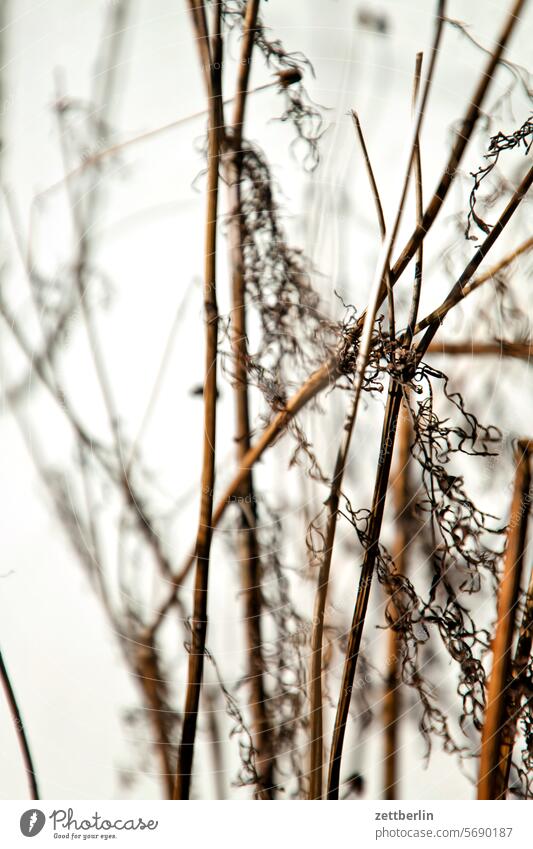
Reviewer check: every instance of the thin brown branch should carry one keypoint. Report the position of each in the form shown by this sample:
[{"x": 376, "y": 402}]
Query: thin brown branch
[
  {"x": 203, "y": 539},
  {"x": 315, "y": 671},
  {"x": 244, "y": 68},
  {"x": 365, "y": 582},
  {"x": 154, "y": 689},
  {"x": 419, "y": 264},
  {"x": 463, "y": 137},
  {"x": 20, "y": 730},
  {"x": 499, "y": 348},
  {"x": 514, "y": 702},
  {"x": 316, "y": 753},
  {"x": 489, "y": 783},
  {"x": 382, "y": 267},
  {"x": 250, "y": 556},
  {"x": 379, "y": 212},
  {"x": 392, "y": 699},
  {"x": 460, "y": 289}
]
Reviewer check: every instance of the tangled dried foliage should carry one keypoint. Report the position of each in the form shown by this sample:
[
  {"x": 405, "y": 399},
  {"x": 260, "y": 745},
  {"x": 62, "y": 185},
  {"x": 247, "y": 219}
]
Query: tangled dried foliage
[
  {"x": 521, "y": 138},
  {"x": 290, "y": 68}
]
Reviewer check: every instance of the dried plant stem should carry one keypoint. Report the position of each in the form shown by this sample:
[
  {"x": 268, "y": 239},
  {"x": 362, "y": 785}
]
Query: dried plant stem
[
  {"x": 391, "y": 699},
  {"x": 419, "y": 199},
  {"x": 250, "y": 557},
  {"x": 241, "y": 95},
  {"x": 203, "y": 540},
  {"x": 463, "y": 137},
  {"x": 514, "y": 702},
  {"x": 315, "y": 672},
  {"x": 379, "y": 211},
  {"x": 199, "y": 19},
  {"x": 382, "y": 272},
  {"x": 316, "y": 753},
  {"x": 210, "y": 709},
  {"x": 365, "y": 582},
  {"x": 460, "y": 289},
  {"x": 489, "y": 783},
  {"x": 19, "y": 728},
  {"x": 500, "y": 348},
  {"x": 153, "y": 686}
]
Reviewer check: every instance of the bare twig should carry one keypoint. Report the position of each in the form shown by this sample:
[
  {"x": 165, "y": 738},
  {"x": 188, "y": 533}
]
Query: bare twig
[
  {"x": 382, "y": 267},
  {"x": 248, "y": 539},
  {"x": 19, "y": 728},
  {"x": 517, "y": 691},
  {"x": 203, "y": 540},
  {"x": 499, "y": 348},
  {"x": 489, "y": 783},
  {"x": 365, "y": 583},
  {"x": 391, "y": 699},
  {"x": 317, "y": 634},
  {"x": 460, "y": 289}
]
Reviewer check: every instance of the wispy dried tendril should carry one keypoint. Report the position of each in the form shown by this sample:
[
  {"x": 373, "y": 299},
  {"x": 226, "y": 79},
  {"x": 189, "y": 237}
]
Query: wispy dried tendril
[{"x": 521, "y": 138}]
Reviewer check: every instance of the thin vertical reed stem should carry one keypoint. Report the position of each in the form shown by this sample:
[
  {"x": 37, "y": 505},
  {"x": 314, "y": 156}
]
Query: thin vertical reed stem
[
  {"x": 203, "y": 539},
  {"x": 392, "y": 697},
  {"x": 492, "y": 738},
  {"x": 20, "y": 730}
]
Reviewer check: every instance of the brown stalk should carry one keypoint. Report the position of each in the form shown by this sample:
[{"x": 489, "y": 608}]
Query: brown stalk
[
  {"x": 379, "y": 212},
  {"x": 500, "y": 348},
  {"x": 419, "y": 200},
  {"x": 318, "y": 381},
  {"x": 203, "y": 539},
  {"x": 154, "y": 691},
  {"x": 210, "y": 709},
  {"x": 463, "y": 137},
  {"x": 493, "y": 738},
  {"x": 20, "y": 730},
  {"x": 460, "y": 289},
  {"x": 391, "y": 705},
  {"x": 514, "y": 702},
  {"x": 363, "y": 593},
  {"x": 315, "y": 672},
  {"x": 382, "y": 268},
  {"x": 315, "y": 690},
  {"x": 250, "y": 562},
  {"x": 316, "y": 754},
  {"x": 378, "y": 504},
  {"x": 392, "y": 699}
]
